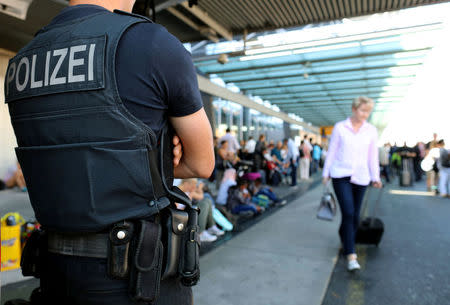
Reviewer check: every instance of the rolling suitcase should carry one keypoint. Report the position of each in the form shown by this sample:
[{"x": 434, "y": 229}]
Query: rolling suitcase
[
  {"x": 405, "y": 175},
  {"x": 370, "y": 229}
]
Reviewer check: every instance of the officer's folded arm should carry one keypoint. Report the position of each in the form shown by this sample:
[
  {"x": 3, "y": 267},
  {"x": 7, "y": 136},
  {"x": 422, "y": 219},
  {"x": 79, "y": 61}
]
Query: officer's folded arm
[{"x": 195, "y": 133}]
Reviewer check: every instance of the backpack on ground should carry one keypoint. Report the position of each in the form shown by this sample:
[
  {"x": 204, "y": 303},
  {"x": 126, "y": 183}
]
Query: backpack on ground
[
  {"x": 275, "y": 178},
  {"x": 261, "y": 200},
  {"x": 233, "y": 198}
]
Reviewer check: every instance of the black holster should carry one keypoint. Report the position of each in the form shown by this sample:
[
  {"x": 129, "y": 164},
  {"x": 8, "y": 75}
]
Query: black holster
[
  {"x": 189, "y": 267},
  {"x": 34, "y": 254}
]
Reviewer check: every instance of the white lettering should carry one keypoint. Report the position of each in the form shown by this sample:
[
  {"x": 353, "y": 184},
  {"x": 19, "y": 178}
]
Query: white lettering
[
  {"x": 10, "y": 76},
  {"x": 26, "y": 62},
  {"x": 91, "y": 62},
  {"x": 34, "y": 83},
  {"x": 75, "y": 62},
  {"x": 58, "y": 80},
  {"x": 47, "y": 67}
]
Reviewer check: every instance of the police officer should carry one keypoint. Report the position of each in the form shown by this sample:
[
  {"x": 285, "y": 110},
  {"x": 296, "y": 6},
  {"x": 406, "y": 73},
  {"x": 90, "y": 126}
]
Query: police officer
[{"x": 91, "y": 98}]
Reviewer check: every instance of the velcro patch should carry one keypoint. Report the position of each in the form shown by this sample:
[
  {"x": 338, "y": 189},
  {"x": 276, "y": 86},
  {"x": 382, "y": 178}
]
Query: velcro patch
[{"x": 75, "y": 65}]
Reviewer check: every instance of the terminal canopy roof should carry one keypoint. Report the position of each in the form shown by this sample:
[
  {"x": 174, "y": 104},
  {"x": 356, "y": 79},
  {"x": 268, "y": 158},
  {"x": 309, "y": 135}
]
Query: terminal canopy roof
[{"x": 316, "y": 72}]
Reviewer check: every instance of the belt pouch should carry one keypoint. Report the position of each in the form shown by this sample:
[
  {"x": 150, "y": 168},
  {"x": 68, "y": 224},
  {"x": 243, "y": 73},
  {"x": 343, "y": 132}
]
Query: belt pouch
[
  {"x": 174, "y": 223},
  {"x": 118, "y": 249},
  {"x": 145, "y": 273},
  {"x": 189, "y": 262},
  {"x": 34, "y": 253}
]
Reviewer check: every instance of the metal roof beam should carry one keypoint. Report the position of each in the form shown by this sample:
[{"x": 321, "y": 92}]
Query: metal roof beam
[
  {"x": 280, "y": 95},
  {"x": 323, "y": 60},
  {"x": 332, "y": 97},
  {"x": 332, "y": 104},
  {"x": 208, "y": 34},
  {"x": 166, "y": 4},
  {"x": 324, "y": 73},
  {"x": 203, "y": 16},
  {"x": 367, "y": 78},
  {"x": 342, "y": 98}
]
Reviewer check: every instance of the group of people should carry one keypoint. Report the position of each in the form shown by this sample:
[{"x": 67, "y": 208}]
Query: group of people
[
  {"x": 430, "y": 159},
  {"x": 276, "y": 162},
  {"x": 236, "y": 197}
]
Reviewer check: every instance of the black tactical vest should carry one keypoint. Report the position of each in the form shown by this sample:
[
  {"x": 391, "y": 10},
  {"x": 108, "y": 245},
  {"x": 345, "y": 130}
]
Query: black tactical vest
[{"x": 87, "y": 161}]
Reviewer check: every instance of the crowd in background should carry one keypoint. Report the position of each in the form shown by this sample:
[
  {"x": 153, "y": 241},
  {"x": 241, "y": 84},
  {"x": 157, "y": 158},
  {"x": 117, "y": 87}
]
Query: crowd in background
[
  {"x": 276, "y": 162},
  {"x": 243, "y": 177},
  {"x": 429, "y": 160}
]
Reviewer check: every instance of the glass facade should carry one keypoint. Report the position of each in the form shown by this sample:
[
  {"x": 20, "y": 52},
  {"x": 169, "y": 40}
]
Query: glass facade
[{"x": 245, "y": 122}]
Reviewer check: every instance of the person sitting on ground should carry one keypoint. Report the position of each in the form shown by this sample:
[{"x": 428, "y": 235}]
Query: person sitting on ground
[
  {"x": 14, "y": 177},
  {"x": 239, "y": 200},
  {"x": 207, "y": 226},
  {"x": 260, "y": 189}
]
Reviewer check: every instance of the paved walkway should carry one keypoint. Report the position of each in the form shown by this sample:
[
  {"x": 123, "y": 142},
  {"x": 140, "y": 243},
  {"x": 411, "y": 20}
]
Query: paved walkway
[
  {"x": 411, "y": 264},
  {"x": 286, "y": 258}
]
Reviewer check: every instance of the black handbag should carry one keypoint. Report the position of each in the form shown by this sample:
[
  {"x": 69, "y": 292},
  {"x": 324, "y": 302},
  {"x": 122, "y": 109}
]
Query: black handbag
[{"x": 327, "y": 207}]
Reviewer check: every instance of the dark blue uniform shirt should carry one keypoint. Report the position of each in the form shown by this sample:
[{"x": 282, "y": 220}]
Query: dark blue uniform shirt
[{"x": 155, "y": 74}]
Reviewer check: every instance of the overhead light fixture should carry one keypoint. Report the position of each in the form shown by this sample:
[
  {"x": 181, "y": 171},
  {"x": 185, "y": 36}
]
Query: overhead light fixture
[
  {"x": 15, "y": 8},
  {"x": 222, "y": 59},
  {"x": 266, "y": 55}
]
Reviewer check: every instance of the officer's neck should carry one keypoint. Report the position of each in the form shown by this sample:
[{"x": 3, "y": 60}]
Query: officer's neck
[{"x": 111, "y": 5}]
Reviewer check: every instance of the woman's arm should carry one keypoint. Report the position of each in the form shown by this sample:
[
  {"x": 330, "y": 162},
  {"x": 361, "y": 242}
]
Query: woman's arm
[{"x": 331, "y": 154}]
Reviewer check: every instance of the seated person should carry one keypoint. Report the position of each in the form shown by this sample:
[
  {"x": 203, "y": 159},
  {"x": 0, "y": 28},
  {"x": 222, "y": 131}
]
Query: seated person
[
  {"x": 239, "y": 200},
  {"x": 207, "y": 226},
  {"x": 14, "y": 177},
  {"x": 222, "y": 217},
  {"x": 229, "y": 179},
  {"x": 224, "y": 160},
  {"x": 276, "y": 153},
  {"x": 228, "y": 158},
  {"x": 260, "y": 189}
]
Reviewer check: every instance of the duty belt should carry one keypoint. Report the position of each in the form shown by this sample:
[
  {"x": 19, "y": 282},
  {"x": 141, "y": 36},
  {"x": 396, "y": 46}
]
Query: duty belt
[{"x": 90, "y": 245}]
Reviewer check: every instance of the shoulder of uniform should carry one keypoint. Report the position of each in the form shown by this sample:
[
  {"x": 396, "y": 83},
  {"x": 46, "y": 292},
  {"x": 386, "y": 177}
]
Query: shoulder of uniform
[{"x": 132, "y": 15}]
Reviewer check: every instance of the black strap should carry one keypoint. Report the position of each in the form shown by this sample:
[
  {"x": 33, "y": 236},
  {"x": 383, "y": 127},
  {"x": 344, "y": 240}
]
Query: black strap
[{"x": 157, "y": 182}]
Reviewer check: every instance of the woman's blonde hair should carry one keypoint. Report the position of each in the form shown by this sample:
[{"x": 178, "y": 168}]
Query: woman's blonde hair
[{"x": 362, "y": 100}]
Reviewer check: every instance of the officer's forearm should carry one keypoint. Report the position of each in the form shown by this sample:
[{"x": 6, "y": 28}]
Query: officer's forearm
[{"x": 184, "y": 171}]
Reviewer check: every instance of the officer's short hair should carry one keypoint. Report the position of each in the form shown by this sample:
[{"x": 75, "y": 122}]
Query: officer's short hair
[{"x": 360, "y": 100}]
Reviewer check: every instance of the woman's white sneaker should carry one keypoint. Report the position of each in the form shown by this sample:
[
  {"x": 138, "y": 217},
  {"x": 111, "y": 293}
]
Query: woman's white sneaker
[
  {"x": 207, "y": 237},
  {"x": 214, "y": 230},
  {"x": 353, "y": 265}
]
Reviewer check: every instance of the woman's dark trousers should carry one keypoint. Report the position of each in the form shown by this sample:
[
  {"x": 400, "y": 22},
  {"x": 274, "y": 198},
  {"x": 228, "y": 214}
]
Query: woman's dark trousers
[{"x": 350, "y": 197}]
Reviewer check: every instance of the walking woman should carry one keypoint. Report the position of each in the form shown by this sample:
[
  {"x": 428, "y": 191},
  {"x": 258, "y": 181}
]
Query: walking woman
[{"x": 352, "y": 164}]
